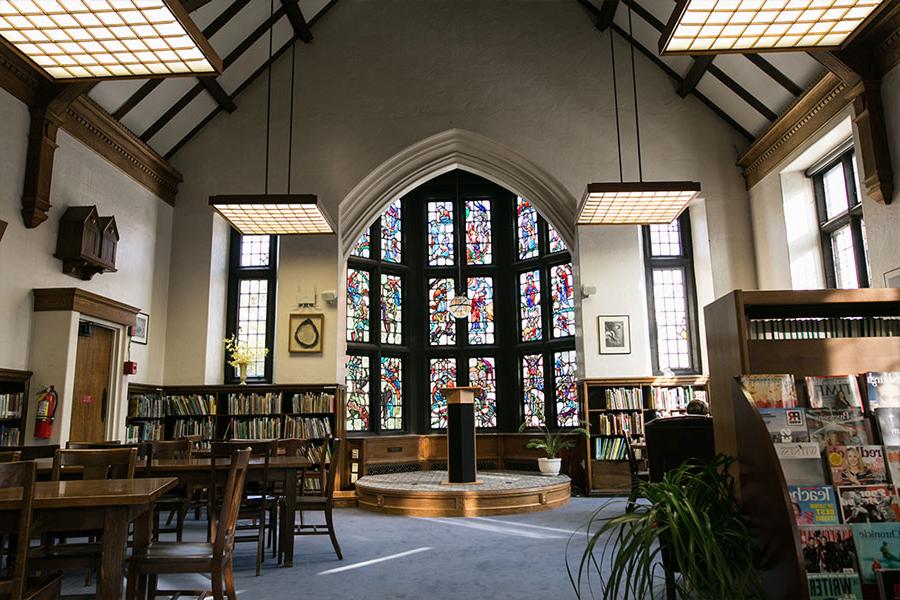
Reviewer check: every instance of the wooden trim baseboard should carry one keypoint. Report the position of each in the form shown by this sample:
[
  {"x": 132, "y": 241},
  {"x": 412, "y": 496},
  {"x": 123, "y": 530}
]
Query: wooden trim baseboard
[{"x": 84, "y": 302}]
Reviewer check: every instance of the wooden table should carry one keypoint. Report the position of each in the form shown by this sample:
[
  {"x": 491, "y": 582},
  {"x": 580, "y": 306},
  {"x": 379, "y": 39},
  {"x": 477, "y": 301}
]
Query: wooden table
[{"x": 78, "y": 506}]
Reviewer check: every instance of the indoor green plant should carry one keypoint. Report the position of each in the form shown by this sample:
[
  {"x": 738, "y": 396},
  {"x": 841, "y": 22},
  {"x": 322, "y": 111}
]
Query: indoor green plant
[
  {"x": 693, "y": 510},
  {"x": 241, "y": 355},
  {"x": 552, "y": 444}
]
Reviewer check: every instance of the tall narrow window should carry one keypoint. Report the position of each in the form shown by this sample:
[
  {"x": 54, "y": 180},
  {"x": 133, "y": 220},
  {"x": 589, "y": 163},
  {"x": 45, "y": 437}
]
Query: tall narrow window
[
  {"x": 252, "y": 277},
  {"x": 672, "y": 297},
  {"x": 481, "y": 318},
  {"x": 358, "y": 381},
  {"x": 843, "y": 230},
  {"x": 483, "y": 374},
  {"x": 533, "y": 387},
  {"x": 442, "y": 373}
]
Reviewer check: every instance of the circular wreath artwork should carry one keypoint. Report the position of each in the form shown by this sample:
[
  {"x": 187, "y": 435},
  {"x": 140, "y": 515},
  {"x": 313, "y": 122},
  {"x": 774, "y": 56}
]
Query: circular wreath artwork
[{"x": 306, "y": 334}]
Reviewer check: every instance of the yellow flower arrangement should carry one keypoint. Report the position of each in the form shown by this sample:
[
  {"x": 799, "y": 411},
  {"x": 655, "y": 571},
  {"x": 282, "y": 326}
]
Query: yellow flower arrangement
[{"x": 242, "y": 353}]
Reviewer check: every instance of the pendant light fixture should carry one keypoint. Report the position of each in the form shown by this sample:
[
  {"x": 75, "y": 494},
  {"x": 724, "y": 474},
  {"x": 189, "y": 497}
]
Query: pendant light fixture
[
  {"x": 460, "y": 307},
  {"x": 633, "y": 202},
  {"x": 275, "y": 214}
]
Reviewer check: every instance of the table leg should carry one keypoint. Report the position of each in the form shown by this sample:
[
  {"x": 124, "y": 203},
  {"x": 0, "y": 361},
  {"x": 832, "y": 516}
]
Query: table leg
[
  {"x": 112, "y": 562},
  {"x": 290, "y": 514},
  {"x": 143, "y": 532}
]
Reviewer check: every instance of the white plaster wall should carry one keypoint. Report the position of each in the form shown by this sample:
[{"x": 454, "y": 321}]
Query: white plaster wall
[{"x": 381, "y": 76}]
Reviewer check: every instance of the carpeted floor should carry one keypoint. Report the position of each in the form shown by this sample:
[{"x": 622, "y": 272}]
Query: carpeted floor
[{"x": 515, "y": 557}]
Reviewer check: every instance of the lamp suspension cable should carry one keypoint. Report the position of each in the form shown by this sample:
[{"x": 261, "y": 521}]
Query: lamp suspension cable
[
  {"x": 269, "y": 96},
  {"x": 612, "y": 57},
  {"x": 291, "y": 116},
  {"x": 637, "y": 121},
  {"x": 460, "y": 248}
]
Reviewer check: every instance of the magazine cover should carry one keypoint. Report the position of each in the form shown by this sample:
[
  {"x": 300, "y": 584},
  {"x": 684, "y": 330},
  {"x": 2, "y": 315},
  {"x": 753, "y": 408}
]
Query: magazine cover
[
  {"x": 828, "y": 549},
  {"x": 888, "y": 583},
  {"x": 868, "y": 504},
  {"x": 877, "y": 547},
  {"x": 856, "y": 465},
  {"x": 771, "y": 391},
  {"x": 883, "y": 390},
  {"x": 785, "y": 424},
  {"x": 838, "y": 391},
  {"x": 801, "y": 463},
  {"x": 814, "y": 505},
  {"x": 888, "y": 419},
  {"x": 892, "y": 460},
  {"x": 831, "y": 427},
  {"x": 834, "y": 587}
]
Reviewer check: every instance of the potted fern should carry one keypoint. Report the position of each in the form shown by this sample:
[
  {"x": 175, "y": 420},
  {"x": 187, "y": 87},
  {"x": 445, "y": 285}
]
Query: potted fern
[{"x": 552, "y": 444}]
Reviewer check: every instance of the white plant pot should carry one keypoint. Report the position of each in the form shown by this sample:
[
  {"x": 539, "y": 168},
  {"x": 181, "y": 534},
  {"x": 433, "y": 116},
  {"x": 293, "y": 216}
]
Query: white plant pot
[{"x": 549, "y": 466}]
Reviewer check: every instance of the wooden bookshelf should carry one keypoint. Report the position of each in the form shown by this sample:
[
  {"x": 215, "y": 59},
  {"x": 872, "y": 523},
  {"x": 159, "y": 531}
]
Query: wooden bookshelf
[
  {"x": 613, "y": 476},
  {"x": 739, "y": 429},
  {"x": 12, "y": 424}
]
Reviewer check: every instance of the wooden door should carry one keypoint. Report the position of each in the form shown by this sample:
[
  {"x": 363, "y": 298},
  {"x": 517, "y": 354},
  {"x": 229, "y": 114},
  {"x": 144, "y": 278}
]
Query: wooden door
[{"x": 90, "y": 400}]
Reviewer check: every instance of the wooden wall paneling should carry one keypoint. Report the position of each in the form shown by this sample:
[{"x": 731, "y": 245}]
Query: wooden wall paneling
[{"x": 84, "y": 302}]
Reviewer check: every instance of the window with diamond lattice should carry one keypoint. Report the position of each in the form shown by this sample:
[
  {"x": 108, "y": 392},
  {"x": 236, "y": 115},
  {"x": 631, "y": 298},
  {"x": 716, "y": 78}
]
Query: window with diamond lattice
[{"x": 252, "y": 275}]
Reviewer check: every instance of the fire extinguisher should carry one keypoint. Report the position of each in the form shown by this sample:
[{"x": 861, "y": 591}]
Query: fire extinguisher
[{"x": 45, "y": 413}]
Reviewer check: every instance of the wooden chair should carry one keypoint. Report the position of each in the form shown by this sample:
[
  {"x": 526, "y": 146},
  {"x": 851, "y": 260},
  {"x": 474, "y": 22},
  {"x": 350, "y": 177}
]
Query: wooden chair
[
  {"x": 259, "y": 503},
  {"x": 93, "y": 445},
  {"x": 32, "y": 452},
  {"x": 10, "y": 456},
  {"x": 215, "y": 558},
  {"x": 177, "y": 501},
  {"x": 639, "y": 474},
  {"x": 323, "y": 503},
  {"x": 18, "y": 586}
]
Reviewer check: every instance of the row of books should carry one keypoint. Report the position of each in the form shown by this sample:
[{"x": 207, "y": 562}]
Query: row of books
[
  {"x": 254, "y": 404},
  {"x": 307, "y": 428},
  {"x": 11, "y": 405},
  {"x": 674, "y": 398},
  {"x": 817, "y": 328},
  {"x": 620, "y": 424},
  {"x": 147, "y": 406},
  {"x": 10, "y": 436},
  {"x": 624, "y": 398},
  {"x": 144, "y": 431},
  {"x": 192, "y": 405},
  {"x": 610, "y": 448},
  {"x": 256, "y": 428},
  {"x": 205, "y": 428},
  {"x": 835, "y": 391},
  {"x": 312, "y": 402}
]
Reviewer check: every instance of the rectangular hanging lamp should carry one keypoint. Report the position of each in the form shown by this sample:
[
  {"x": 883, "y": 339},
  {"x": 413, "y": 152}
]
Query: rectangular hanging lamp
[
  {"x": 733, "y": 26},
  {"x": 273, "y": 214},
  {"x": 77, "y": 40},
  {"x": 635, "y": 203}
]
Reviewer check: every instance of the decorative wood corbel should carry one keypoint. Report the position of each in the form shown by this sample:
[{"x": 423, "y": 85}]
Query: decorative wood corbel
[{"x": 874, "y": 149}]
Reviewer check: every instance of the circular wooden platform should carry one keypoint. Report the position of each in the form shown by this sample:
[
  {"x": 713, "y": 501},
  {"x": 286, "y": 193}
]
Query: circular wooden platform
[{"x": 426, "y": 494}]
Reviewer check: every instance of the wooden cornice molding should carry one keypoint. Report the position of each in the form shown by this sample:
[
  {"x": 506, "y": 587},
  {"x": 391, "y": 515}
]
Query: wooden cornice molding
[
  {"x": 822, "y": 100},
  {"x": 85, "y": 303}
]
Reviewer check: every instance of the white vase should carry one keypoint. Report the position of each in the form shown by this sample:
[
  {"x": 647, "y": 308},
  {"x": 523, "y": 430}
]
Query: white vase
[
  {"x": 243, "y": 371},
  {"x": 549, "y": 466}
]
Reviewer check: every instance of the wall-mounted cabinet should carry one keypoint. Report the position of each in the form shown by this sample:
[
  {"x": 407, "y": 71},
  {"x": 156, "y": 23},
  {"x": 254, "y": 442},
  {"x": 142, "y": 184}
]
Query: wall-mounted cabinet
[{"x": 86, "y": 242}]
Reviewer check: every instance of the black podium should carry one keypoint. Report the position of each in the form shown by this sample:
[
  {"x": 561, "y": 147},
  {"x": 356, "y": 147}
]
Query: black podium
[{"x": 460, "y": 433}]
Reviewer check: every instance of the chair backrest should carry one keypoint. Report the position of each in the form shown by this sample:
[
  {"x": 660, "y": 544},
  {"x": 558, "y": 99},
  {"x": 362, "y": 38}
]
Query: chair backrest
[
  {"x": 293, "y": 447},
  {"x": 333, "y": 466},
  {"x": 223, "y": 538},
  {"x": 19, "y": 475},
  {"x": 93, "y": 445},
  {"x": 117, "y": 463},
  {"x": 32, "y": 452},
  {"x": 7, "y": 456},
  {"x": 171, "y": 449},
  {"x": 673, "y": 441},
  {"x": 195, "y": 440}
]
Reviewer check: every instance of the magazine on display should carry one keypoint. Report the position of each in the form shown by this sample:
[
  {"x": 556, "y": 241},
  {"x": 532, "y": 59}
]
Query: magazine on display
[
  {"x": 882, "y": 390},
  {"x": 801, "y": 463},
  {"x": 814, "y": 505},
  {"x": 888, "y": 419},
  {"x": 888, "y": 583},
  {"x": 771, "y": 391},
  {"x": 877, "y": 547},
  {"x": 828, "y": 549},
  {"x": 856, "y": 465},
  {"x": 868, "y": 504},
  {"x": 831, "y": 427},
  {"x": 834, "y": 587},
  {"x": 785, "y": 424},
  {"x": 837, "y": 391}
]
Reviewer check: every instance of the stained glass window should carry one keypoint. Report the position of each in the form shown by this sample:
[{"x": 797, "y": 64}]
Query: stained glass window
[
  {"x": 357, "y": 369},
  {"x": 557, "y": 244},
  {"x": 479, "y": 249},
  {"x": 441, "y": 324},
  {"x": 391, "y": 309},
  {"x": 362, "y": 247},
  {"x": 253, "y": 298},
  {"x": 440, "y": 234},
  {"x": 526, "y": 228},
  {"x": 483, "y": 374},
  {"x": 566, "y": 388},
  {"x": 533, "y": 389},
  {"x": 530, "y": 305},
  {"x": 562, "y": 300},
  {"x": 357, "y": 305},
  {"x": 442, "y": 373},
  {"x": 481, "y": 319},
  {"x": 391, "y": 393},
  {"x": 255, "y": 250},
  {"x": 391, "y": 233}
]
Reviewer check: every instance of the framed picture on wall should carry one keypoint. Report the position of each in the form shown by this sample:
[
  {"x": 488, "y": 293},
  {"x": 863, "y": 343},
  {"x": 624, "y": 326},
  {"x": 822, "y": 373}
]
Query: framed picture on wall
[
  {"x": 141, "y": 328},
  {"x": 614, "y": 333},
  {"x": 306, "y": 332},
  {"x": 892, "y": 278}
]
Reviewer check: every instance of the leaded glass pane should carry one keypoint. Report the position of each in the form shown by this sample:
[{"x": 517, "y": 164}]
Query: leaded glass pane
[
  {"x": 440, "y": 233},
  {"x": 479, "y": 249},
  {"x": 835, "y": 185},
  {"x": 357, "y": 369},
  {"x": 670, "y": 307},
  {"x": 253, "y": 296},
  {"x": 442, "y": 373},
  {"x": 481, "y": 319},
  {"x": 391, "y": 309},
  {"x": 566, "y": 388},
  {"x": 391, "y": 393},
  {"x": 557, "y": 244},
  {"x": 526, "y": 228},
  {"x": 665, "y": 240},
  {"x": 391, "y": 223},
  {"x": 530, "y": 305},
  {"x": 441, "y": 324},
  {"x": 845, "y": 274},
  {"x": 533, "y": 389},
  {"x": 255, "y": 250},
  {"x": 562, "y": 300},
  {"x": 362, "y": 247},
  {"x": 482, "y": 373},
  {"x": 357, "y": 305}
]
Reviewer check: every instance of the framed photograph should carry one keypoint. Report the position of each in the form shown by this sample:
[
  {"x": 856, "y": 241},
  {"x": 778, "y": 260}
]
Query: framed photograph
[
  {"x": 614, "y": 333},
  {"x": 892, "y": 278},
  {"x": 141, "y": 328},
  {"x": 306, "y": 332}
]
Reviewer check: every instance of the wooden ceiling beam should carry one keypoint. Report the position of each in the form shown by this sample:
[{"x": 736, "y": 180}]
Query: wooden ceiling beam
[
  {"x": 192, "y": 5},
  {"x": 695, "y": 74},
  {"x": 298, "y": 21},
  {"x": 606, "y": 15},
  {"x": 215, "y": 89},
  {"x": 769, "y": 69}
]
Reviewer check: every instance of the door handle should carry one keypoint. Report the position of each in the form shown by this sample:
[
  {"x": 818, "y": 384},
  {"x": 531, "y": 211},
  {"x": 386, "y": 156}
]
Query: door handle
[{"x": 103, "y": 406}]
